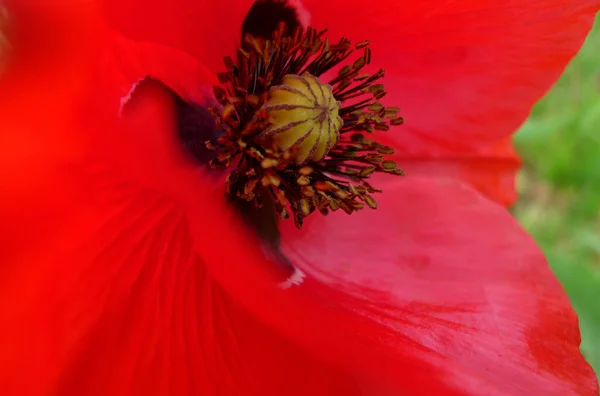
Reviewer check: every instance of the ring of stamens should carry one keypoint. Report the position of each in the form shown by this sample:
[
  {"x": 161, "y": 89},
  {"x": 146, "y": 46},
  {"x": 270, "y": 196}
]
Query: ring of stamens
[{"x": 299, "y": 183}]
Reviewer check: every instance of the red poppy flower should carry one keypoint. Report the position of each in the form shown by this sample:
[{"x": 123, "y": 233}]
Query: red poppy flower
[{"x": 126, "y": 272}]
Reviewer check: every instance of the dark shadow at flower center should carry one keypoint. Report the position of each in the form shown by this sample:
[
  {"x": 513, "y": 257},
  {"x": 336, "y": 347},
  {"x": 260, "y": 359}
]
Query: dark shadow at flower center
[
  {"x": 264, "y": 17},
  {"x": 196, "y": 126}
]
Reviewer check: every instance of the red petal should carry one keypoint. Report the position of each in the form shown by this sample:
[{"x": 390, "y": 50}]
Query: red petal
[
  {"x": 453, "y": 273},
  {"x": 464, "y": 73},
  {"x": 128, "y": 307},
  {"x": 490, "y": 169},
  {"x": 206, "y": 29}
]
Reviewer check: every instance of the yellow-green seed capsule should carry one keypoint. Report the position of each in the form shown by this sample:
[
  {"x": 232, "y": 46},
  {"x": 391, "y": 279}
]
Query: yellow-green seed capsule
[{"x": 302, "y": 115}]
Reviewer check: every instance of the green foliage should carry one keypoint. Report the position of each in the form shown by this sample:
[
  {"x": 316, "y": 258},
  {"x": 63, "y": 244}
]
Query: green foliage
[{"x": 560, "y": 186}]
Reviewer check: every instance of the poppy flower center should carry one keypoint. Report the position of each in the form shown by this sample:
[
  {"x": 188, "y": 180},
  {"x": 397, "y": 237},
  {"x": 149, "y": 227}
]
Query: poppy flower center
[
  {"x": 293, "y": 136},
  {"x": 302, "y": 115}
]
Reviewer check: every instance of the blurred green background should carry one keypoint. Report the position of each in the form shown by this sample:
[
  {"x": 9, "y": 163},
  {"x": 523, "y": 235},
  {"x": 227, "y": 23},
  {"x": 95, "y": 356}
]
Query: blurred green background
[{"x": 559, "y": 185}]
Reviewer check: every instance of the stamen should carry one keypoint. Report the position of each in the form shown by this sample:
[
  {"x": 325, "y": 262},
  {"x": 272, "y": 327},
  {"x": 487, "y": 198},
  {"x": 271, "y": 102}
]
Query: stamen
[{"x": 295, "y": 140}]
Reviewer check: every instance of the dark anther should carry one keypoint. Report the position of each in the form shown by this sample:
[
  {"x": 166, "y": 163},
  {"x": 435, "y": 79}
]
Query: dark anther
[{"x": 264, "y": 17}]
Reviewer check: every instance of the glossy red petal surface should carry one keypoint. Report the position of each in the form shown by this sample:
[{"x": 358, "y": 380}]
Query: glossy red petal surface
[
  {"x": 465, "y": 73},
  {"x": 454, "y": 273},
  {"x": 490, "y": 169}
]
